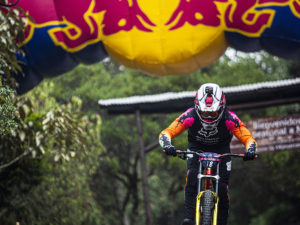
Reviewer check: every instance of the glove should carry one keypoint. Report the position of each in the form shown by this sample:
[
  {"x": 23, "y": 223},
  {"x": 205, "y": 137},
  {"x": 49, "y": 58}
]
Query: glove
[
  {"x": 170, "y": 150},
  {"x": 251, "y": 152}
]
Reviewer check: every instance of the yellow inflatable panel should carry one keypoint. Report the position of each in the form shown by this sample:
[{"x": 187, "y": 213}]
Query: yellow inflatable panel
[{"x": 176, "y": 40}]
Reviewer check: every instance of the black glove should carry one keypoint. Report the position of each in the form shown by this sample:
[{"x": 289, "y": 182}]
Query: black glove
[
  {"x": 251, "y": 152},
  {"x": 170, "y": 150}
]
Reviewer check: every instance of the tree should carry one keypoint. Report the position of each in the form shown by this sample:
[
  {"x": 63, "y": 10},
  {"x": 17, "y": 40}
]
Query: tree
[
  {"x": 268, "y": 193},
  {"x": 7, "y": 110},
  {"x": 57, "y": 131},
  {"x": 37, "y": 136},
  {"x": 36, "y": 166},
  {"x": 11, "y": 29}
]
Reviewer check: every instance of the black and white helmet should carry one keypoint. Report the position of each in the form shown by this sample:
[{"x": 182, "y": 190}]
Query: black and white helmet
[{"x": 210, "y": 104}]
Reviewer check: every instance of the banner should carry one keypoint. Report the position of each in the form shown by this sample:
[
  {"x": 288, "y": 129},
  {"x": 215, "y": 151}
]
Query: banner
[{"x": 272, "y": 134}]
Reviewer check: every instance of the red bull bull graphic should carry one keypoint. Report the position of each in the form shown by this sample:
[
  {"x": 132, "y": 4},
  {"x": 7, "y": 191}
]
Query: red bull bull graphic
[
  {"x": 252, "y": 17},
  {"x": 73, "y": 32},
  {"x": 245, "y": 17},
  {"x": 160, "y": 37},
  {"x": 196, "y": 12},
  {"x": 124, "y": 15}
]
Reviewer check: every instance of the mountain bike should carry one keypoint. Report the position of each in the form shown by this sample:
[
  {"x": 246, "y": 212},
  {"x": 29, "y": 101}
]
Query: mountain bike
[{"x": 207, "y": 194}]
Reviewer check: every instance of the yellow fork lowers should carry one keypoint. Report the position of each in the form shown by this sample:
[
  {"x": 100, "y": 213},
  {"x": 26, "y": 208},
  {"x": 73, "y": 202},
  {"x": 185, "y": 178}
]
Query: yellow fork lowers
[{"x": 215, "y": 211}]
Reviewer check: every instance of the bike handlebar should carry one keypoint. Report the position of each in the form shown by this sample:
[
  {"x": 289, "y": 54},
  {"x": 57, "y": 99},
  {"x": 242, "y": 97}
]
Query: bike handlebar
[{"x": 178, "y": 152}]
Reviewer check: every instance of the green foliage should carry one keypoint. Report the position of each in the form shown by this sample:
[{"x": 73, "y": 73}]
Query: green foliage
[
  {"x": 270, "y": 194},
  {"x": 167, "y": 183},
  {"x": 62, "y": 197},
  {"x": 11, "y": 29},
  {"x": 35, "y": 170},
  {"x": 44, "y": 192},
  {"x": 58, "y": 131},
  {"x": 39, "y": 184},
  {"x": 7, "y": 110},
  {"x": 244, "y": 70},
  {"x": 93, "y": 82}
]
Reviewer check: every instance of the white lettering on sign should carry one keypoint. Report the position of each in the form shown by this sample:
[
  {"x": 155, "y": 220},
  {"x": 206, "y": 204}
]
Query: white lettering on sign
[
  {"x": 259, "y": 125},
  {"x": 272, "y": 134},
  {"x": 297, "y": 129}
]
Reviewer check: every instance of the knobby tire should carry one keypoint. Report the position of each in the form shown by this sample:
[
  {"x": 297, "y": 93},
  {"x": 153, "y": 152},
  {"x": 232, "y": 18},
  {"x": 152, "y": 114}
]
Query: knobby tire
[{"x": 207, "y": 208}]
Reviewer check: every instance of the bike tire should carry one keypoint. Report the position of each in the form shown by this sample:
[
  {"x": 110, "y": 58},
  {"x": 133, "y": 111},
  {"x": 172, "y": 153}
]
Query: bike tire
[{"x": 207, "y": 208}]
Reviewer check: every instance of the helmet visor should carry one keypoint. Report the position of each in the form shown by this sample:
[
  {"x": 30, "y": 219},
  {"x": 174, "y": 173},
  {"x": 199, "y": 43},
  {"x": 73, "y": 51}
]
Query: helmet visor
[{"x": 209, "y": 115}]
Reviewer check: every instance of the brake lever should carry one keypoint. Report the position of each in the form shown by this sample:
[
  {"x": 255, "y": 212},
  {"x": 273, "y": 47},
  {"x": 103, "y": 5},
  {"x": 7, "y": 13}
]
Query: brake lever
[
  {"x": 183, "y": 157},
  {"x": 181, "y": 154}
]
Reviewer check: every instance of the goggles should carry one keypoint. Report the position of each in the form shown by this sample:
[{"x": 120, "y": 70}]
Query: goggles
[{"x": 209, "y": 115}]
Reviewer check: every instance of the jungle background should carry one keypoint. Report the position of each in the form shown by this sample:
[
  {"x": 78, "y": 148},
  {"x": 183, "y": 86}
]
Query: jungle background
[{"x": 63, "y": 160}]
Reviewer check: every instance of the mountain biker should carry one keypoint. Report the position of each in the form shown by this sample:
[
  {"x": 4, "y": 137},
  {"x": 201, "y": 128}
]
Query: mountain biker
[{"x": 211, "y": 126}]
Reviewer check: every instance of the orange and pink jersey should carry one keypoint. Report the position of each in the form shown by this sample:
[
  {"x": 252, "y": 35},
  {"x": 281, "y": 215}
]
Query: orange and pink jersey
[{"x": 208, "y": 140}]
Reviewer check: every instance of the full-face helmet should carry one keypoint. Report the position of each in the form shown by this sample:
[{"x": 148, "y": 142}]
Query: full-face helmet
[{"x": 210, "y": 104}]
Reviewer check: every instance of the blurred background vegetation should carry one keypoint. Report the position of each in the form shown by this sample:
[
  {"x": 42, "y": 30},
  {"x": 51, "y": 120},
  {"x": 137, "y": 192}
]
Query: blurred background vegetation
[{"x": 65, "y": 161}]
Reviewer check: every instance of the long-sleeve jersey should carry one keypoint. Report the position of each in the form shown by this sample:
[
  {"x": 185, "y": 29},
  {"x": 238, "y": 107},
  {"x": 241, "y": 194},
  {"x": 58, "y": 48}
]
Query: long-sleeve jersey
[{"x": 208, "y": 140}]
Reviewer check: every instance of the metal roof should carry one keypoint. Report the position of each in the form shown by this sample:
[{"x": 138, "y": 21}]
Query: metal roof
[{"x": 237, "y": 97}]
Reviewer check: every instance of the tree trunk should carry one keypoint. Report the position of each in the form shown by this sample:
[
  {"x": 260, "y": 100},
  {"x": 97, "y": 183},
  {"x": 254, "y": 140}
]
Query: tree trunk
[{"x": 149, "y": 220}]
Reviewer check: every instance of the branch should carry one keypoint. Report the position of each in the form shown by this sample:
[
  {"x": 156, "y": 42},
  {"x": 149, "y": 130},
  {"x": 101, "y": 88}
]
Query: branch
[
  {"x": 151, "y": 146},
  {"x": 126, "y": 200},
  {"x": 123, "y": 181},
  {"x": 14, "y": 160}
]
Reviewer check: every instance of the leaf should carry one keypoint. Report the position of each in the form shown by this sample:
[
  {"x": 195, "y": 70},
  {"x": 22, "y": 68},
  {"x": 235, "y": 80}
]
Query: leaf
[
  {"x": 22, "y": 135},
  {"x": 50, "y": 115},
  {"x": 13, "y": 133},
  {"x": 45, "y": 127},
  {"x": 61, "y": 119},
  {"x": 26, "y": 109},
  {"x": 67, "y": 158},
  {"x": 42, "y": 150},
  {"x": 45, "y": 121},
  {"x": 33, "y": 153},
  {"x": 38, "y": 138},
  {"x": 22, "y": 113},
  {"x": 56, "y": 158}
]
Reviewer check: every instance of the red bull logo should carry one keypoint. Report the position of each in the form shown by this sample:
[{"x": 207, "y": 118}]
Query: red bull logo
[
  {"x": 158, "y": 36},
  {"x": 123, "y": 15},
  {"x": 196, "y": 12},
  {"x": 252, "y": 17},
  {"x": 246, "y": 17},
  {"x": 88, "y": 21}
]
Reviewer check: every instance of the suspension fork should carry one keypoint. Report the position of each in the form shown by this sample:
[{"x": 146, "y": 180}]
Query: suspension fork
[
  {"x": 208, "y": 177},
  {"x": 208, "y": 182},
  {"x": 199, "y": 177}
]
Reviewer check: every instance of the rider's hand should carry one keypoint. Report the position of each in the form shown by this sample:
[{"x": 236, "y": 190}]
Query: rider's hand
[
  {"x": 170, "y": 150},
  {"x": 250, "y": 153}
]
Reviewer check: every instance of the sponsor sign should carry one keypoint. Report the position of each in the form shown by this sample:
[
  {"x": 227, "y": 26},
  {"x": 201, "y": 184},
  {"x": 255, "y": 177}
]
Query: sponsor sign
[{"x": 272, "y": 134}]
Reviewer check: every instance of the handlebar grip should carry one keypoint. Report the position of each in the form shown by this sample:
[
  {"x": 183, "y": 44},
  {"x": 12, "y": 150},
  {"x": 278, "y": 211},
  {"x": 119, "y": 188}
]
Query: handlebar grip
[
  {"x": 183, "y": 156},
  {"x": 180, "y": 152}
]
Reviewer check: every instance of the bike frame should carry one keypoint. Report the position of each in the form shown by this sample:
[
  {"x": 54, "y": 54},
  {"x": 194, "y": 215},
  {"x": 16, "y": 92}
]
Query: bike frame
[
  {"x": 207, "y": 163},
  {"x": 209, "y": 168}
]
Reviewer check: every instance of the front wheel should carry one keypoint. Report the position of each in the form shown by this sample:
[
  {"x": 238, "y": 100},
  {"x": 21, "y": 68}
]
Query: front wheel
[{"x": 206, "y": 208}]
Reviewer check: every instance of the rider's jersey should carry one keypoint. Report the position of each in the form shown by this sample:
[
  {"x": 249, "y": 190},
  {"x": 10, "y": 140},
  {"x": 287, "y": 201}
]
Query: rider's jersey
[{"x": 208, "y": 140}]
